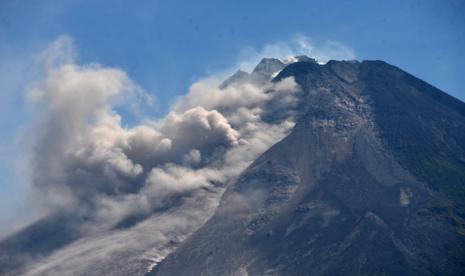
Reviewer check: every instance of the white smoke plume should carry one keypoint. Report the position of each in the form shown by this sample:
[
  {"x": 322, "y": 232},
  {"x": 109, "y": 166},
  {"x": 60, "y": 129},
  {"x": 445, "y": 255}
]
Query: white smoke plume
[
  {"x": 299, "y": 44},
  {"x": 147, "y": 186}
]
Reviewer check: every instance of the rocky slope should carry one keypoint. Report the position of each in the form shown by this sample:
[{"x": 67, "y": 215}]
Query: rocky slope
[{"x": 370, "y": 181}]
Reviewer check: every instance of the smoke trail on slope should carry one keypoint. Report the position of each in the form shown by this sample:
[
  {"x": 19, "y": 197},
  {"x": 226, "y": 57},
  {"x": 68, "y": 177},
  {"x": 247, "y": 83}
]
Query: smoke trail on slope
[{"x": 140, "y": 190}]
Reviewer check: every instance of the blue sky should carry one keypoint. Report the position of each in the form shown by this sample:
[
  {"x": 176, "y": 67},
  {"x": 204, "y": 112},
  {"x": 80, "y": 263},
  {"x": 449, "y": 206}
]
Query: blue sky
[{"x": 166, "y": 45}]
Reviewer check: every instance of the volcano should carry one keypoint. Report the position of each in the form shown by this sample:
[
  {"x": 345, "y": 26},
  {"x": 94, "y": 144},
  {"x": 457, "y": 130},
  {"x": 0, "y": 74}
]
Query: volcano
[
  {"x": 370, "y": 181},
  {"x": 359, "y": 169}
]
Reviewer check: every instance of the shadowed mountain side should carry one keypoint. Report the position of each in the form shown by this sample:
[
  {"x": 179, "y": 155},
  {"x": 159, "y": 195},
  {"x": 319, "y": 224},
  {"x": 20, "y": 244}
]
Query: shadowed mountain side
[{"x": 370, "y": 181}]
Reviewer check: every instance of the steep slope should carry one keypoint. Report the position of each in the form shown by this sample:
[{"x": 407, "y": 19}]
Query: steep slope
[
  {"x": 39, "y": 238},
  {"x": 370, "y": 181}
]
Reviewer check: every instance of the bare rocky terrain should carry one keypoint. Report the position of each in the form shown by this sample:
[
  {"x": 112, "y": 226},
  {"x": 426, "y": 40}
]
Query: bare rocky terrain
[{"x": 371, "y": 181}]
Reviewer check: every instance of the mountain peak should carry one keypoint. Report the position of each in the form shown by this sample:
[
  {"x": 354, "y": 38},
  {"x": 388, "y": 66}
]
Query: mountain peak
[
  {"x": 238, "y": 77},
  {"x": 371, "y": 180},
  {"x": 268, "y": 66}
]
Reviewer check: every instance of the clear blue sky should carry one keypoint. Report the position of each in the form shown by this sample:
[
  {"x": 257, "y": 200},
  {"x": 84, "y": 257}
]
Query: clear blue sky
[{"x": 165, "y": 45}]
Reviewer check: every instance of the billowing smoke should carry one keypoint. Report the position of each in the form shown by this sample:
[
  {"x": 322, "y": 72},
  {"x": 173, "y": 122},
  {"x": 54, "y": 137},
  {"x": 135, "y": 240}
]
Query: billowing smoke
[
  {"x": 84, "y": 156},
  {"x": 85, "y": 162},
  {"x": 139, "y": 190}
]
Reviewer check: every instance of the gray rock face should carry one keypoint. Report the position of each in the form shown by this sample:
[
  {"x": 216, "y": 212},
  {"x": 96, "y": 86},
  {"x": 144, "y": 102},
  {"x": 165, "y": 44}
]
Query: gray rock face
[
  {"x": 265, "y": 70},
  {"x": 268, "y": 66},
  {"x": 238, "y": 77},
  {"x": 370, "y": 181}
]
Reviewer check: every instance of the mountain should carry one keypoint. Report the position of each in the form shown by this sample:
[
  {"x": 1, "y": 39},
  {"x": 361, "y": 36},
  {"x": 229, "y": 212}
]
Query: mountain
[
  {"x": 326, "y": 169},
  {"x": 265, "y": 70},
  {"x": 371, "y": 181}
]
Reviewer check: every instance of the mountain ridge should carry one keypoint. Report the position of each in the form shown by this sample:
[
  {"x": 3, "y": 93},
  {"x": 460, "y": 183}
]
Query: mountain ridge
[
  {"x": 370, "y": 180},
  {"x": 344, "y": 193}
]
